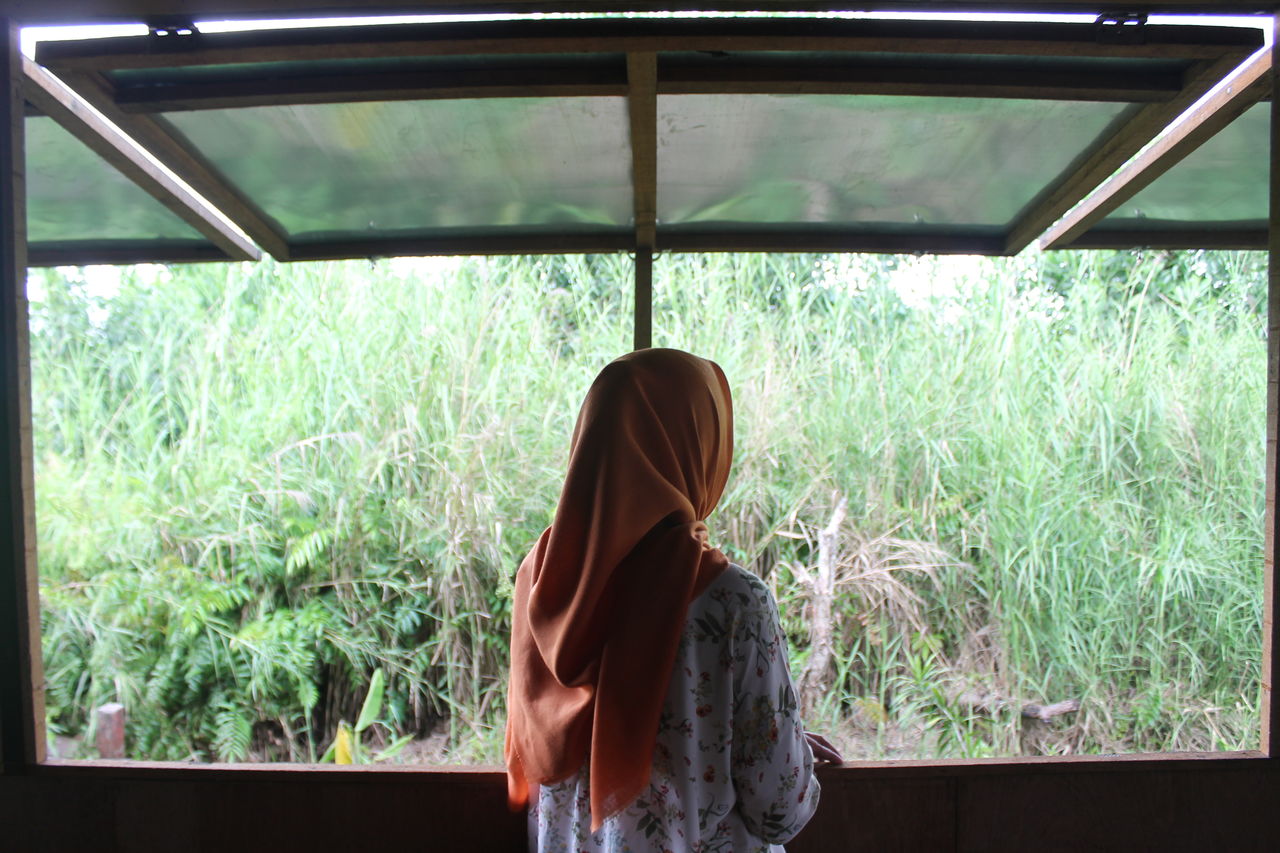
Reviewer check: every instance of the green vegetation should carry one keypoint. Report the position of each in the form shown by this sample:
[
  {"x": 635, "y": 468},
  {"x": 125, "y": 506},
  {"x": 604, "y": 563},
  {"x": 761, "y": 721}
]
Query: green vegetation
[
  {"x": 348, "y": 744},
  {"x": 259, "y": 485}
]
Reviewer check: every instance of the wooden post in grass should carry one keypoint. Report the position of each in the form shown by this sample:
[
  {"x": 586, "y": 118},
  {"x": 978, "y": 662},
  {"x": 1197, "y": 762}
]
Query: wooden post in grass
[{"x": 110, "y": 734}]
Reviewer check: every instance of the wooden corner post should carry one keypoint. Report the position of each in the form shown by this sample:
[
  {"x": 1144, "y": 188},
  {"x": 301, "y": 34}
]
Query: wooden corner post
[
  {"x": 21, "y": 675},
  {"x": 1270, "y": 741}
]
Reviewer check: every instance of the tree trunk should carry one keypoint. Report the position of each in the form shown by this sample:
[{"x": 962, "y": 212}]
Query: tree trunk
[{"x": 816, "y": 678}]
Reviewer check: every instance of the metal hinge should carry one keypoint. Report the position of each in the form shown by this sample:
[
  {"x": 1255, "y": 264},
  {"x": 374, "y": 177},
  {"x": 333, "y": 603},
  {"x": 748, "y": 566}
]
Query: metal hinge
[
  {"x": 1121, "y": 28},
  {"x": 171, "y": 27}
]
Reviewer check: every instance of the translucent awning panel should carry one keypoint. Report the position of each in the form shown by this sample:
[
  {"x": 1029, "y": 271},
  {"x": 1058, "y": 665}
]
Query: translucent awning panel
[
  {"x": 768, "y": 134},
  {"x": 888, "y": 162},
  {"x": 1222, "y": 184},
  {"x": 372, "y": 170},
  {"x": 75, "y": 199}
]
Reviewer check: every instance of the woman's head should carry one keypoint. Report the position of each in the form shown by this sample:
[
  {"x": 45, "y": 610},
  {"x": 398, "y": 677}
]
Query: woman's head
[{"x": 659, "y": 420}]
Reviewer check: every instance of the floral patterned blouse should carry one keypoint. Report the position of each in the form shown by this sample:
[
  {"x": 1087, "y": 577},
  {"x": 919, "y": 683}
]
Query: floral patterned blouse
[{"x": 732, "y": 772}]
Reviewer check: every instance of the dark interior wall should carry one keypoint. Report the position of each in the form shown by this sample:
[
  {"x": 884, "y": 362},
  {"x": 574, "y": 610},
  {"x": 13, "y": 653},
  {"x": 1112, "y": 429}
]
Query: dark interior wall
[
  {"x": 1046, "y": 808},
  {"x": 364, "y": 812},
  {"x": 1207, "y": 804}
]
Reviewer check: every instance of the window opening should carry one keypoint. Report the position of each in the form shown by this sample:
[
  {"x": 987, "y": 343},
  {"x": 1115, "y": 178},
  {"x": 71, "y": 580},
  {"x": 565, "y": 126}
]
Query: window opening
[
  {"x": 260, "y": 488},
  {"x": 943, "y": 681}
]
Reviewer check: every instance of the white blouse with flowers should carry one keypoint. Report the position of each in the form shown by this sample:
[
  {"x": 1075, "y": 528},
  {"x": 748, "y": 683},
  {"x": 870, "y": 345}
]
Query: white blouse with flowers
[{"x": 732, "y": 772}]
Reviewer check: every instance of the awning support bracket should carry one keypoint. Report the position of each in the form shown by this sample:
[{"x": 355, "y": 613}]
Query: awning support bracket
[
  {"x": 1121, "y": 27},
  {"x": 171, "y": 27}
]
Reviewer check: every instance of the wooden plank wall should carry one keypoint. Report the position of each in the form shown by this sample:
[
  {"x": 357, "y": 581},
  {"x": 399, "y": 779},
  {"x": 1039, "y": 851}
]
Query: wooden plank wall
[
  {"x": 394, "y": 812},
  {"x": 1209, "y": 805}
]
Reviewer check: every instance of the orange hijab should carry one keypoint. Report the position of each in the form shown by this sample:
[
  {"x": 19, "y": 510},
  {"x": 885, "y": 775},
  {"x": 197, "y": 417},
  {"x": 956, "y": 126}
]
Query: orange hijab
[{"x": 600, "y": 601}]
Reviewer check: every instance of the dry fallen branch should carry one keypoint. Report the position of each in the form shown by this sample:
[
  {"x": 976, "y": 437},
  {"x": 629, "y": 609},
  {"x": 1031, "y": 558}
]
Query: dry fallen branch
[
  {"x": 1045, "y": 713},
  {"x": 1035, "y": 737},
  {"x": 992, "y": 703}
]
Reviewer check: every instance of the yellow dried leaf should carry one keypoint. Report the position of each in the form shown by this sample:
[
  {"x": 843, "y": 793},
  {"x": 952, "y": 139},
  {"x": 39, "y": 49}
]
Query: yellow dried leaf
[{"x": 342, "y": 753}]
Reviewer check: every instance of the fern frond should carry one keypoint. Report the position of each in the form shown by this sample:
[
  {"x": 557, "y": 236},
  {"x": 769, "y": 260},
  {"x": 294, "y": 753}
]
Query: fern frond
[{"x": 233, "y": 733}]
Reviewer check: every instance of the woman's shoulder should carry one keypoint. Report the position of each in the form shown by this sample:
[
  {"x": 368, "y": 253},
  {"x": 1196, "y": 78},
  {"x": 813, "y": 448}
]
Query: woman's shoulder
[{"x": 740, "y": 590}]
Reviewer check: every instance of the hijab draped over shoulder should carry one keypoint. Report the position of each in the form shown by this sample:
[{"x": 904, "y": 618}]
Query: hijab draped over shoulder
[{"x": 600, "y": 601}]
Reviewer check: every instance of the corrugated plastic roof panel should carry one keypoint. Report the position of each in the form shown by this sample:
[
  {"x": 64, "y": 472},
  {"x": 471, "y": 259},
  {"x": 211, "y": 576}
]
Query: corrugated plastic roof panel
[
  {"x": 79, "y": 206},
  {"x": 348, "y": 171},
  {"x": 768, "y": 134},
  {"x": 906, "y": 163},
  {"x": 1223, "y": 184}
]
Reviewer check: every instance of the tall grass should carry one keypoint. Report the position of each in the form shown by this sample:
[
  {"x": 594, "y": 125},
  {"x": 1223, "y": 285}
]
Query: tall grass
[
  {"x": 257, "y": 484},
  {"x": 1093, "y": 462}
]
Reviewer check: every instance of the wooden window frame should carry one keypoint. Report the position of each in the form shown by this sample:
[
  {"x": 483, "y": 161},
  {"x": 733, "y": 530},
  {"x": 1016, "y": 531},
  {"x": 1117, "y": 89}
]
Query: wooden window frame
[{"x": 1184, "y": 801}]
